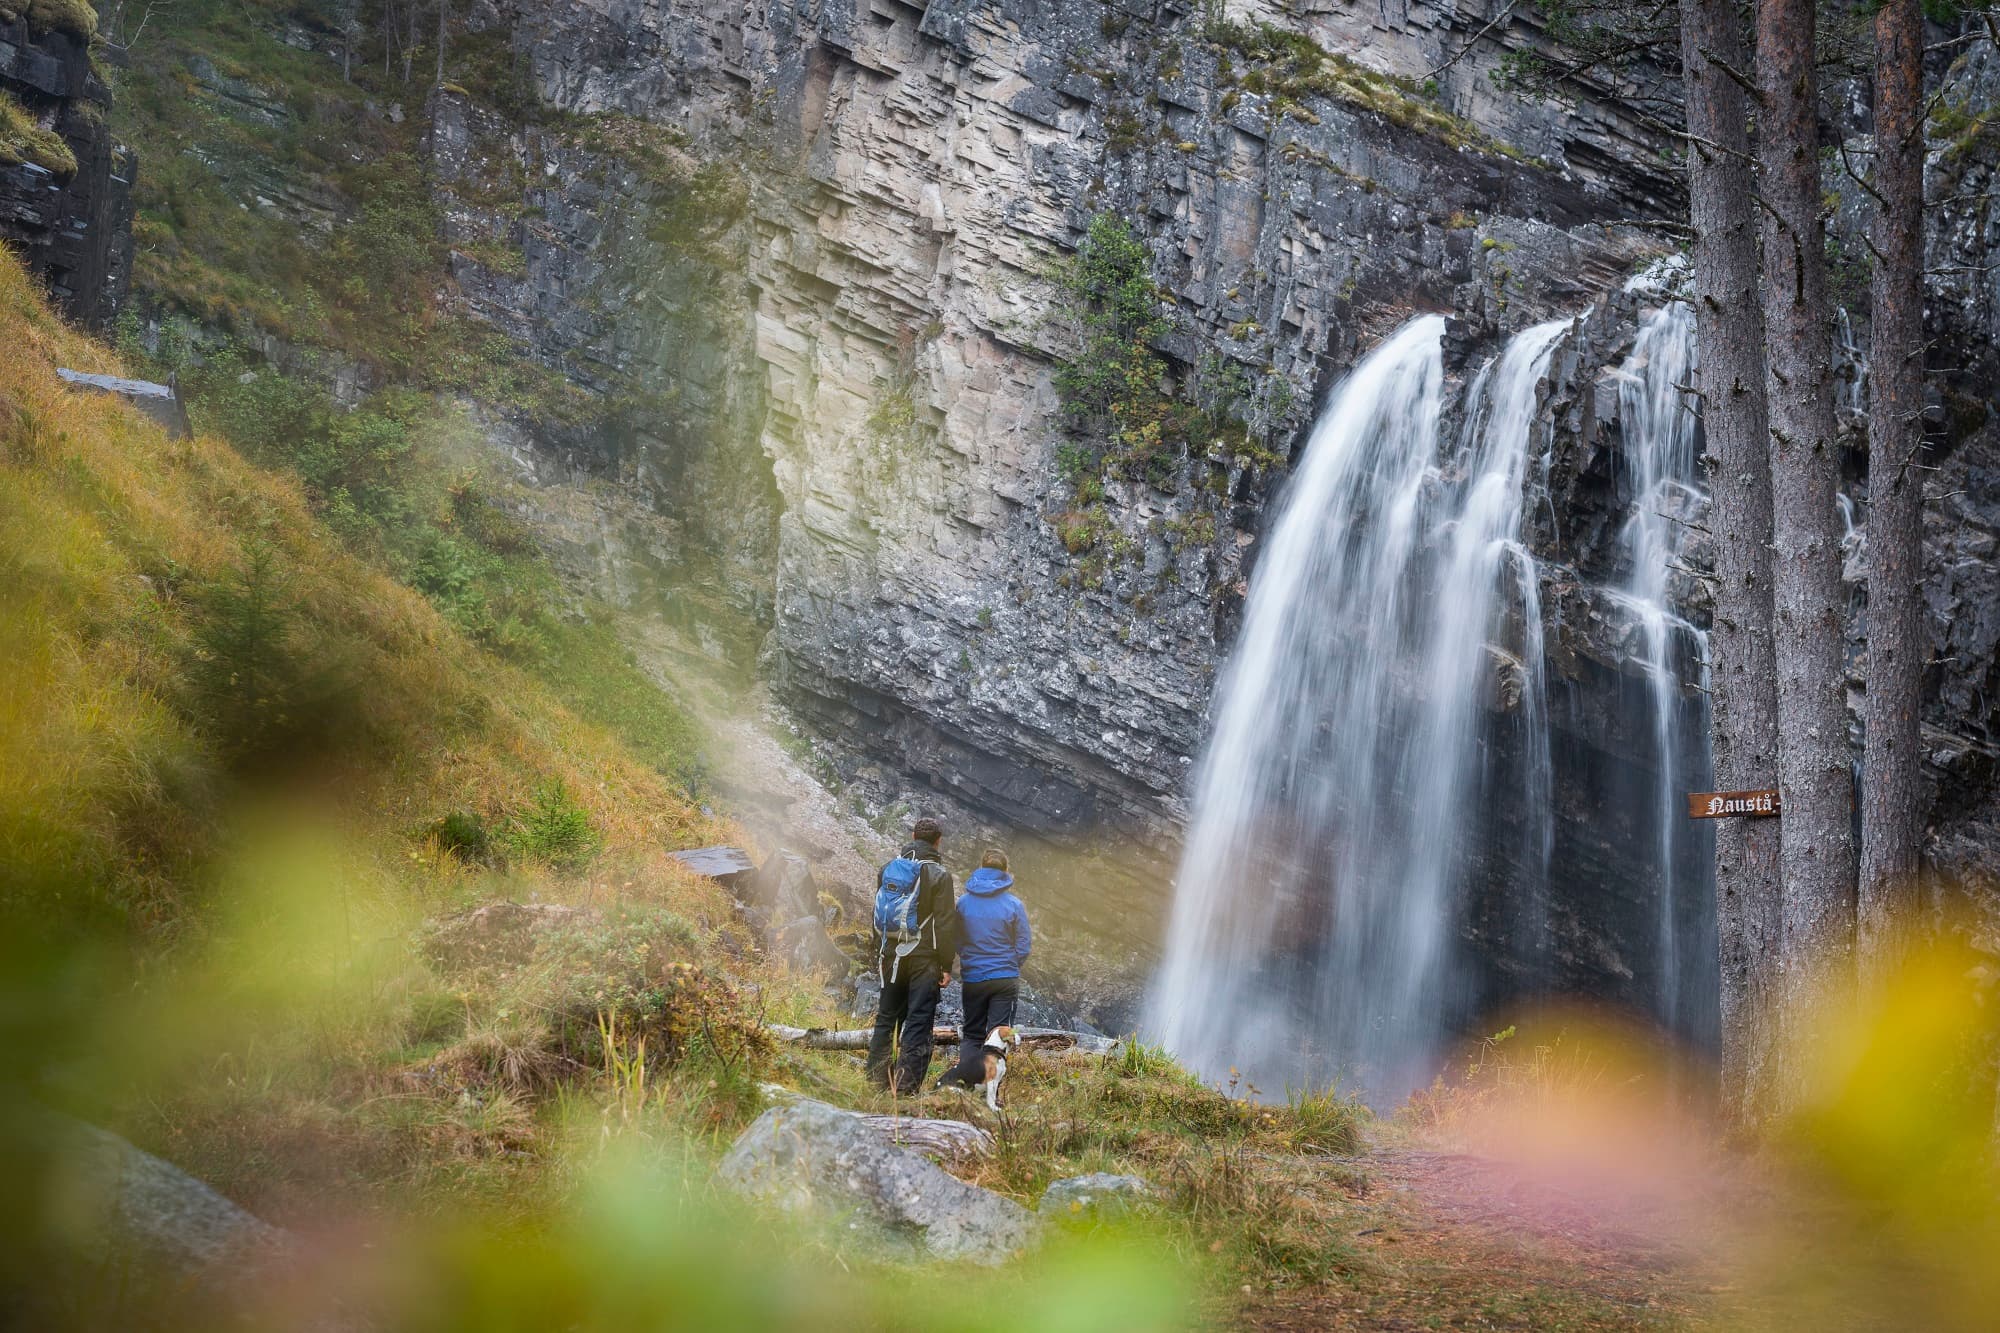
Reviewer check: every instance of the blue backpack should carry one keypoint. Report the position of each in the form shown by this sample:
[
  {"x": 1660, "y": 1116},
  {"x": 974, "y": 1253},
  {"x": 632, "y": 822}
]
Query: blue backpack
[{"x": 896, "y": 899}]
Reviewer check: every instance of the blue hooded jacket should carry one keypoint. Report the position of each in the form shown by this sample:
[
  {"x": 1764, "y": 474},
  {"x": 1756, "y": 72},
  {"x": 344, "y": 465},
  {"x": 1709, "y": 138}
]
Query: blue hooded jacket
[{"x": 993, "y": 931}]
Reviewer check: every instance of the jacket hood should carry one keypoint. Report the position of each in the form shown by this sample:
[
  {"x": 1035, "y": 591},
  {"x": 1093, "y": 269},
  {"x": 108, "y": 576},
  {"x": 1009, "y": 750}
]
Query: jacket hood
[{"x": 986, "y": 882}]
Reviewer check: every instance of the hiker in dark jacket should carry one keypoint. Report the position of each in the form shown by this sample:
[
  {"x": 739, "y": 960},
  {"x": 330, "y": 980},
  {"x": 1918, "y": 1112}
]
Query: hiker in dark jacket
[
  {"x": 913, "y": 958},
  {"x": 993, "y": 943}
]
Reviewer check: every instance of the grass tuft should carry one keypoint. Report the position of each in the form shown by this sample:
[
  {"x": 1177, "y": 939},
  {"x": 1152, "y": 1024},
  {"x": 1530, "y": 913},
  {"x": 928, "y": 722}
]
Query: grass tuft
[{"x": 23, "y": 139}]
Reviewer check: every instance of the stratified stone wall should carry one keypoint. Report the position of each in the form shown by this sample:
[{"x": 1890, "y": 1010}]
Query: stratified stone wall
[
  {"x": 917, "y": 172},
  {"x": 74, "y": 230}
]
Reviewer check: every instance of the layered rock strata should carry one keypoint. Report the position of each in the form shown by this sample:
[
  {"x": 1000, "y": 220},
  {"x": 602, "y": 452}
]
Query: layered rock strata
[{"x": 65, "y": 182}]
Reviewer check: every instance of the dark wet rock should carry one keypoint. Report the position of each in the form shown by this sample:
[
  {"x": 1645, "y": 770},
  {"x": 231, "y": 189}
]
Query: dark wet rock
[{"x": 73, "y": 228}]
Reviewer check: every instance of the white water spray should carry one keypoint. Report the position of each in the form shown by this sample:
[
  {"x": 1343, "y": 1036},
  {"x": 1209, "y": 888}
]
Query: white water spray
[
  {"x": 1658, "y": 427},
  {"x": 1315, "y": 906}
]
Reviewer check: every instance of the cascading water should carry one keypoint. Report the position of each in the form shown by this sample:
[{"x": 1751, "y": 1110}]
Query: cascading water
[
  {"x": 1315, "y": 906},
  {"x": 1850, "y": 367},
  {"x": 1658, "y": 430}
]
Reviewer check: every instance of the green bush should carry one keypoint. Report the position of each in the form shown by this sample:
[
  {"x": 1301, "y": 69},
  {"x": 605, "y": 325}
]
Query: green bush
[
  {"x": 555, "y": 830},
  {"x": 248, "y": 672},
  {"x": 461, "y": 833}
]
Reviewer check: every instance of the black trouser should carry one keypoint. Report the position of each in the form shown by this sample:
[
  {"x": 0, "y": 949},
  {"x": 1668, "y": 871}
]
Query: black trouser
[
  {"x": 988, "y": 1005},
  {"x": 909, "y": 999}
]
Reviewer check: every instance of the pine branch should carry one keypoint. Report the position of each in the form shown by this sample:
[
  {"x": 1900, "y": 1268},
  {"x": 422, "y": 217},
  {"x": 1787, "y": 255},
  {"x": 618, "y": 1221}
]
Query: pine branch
[
  {"x": 1855, "y": 176},
  {"x": 1737, "y": 76}
]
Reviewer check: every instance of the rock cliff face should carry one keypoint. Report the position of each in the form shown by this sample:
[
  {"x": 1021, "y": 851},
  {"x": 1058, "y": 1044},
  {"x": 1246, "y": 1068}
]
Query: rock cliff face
[
  {"x": 614, "y": 255},
  {"x": 65, "y": 182},
  {"x": 914, "y": 175},
  {"x": 917, "y": 172}
]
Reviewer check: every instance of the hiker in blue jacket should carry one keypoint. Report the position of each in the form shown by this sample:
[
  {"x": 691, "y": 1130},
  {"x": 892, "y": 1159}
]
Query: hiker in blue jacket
[{"x": 993, "y": 942}]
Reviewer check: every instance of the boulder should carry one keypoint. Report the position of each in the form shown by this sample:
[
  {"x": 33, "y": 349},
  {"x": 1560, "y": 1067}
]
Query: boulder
[
  {"x": 161, "y": 402},
  {"x": 730, "y": 866},
  {"x": 165, "y": 1233},
  {"x": 500, "y": 933},
  {"x": 1095, "y": 1197},
  {"x": 808, "y": 946},
  {"x": 784, "y": 887},
  {"x": 806, "y": 1156}
]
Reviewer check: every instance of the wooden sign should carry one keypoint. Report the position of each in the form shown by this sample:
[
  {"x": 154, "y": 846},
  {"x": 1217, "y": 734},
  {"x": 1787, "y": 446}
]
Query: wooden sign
[{"x": 1723, "y": 804}]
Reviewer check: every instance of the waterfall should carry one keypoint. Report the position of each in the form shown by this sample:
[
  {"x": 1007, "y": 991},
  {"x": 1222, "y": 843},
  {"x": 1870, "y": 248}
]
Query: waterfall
[
  {"x": 1658, "y": 428},
  {"x": 1850, "y": 367},
  {"x": 1316, "y": 905}
]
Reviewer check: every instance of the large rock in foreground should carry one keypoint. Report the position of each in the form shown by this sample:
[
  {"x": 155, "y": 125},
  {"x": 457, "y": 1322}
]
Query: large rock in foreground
[
  {"x": 132, "y": 1240},
  {"x": 811, "y": 1157}
]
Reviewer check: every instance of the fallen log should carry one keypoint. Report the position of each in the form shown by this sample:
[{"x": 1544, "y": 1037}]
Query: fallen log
[
  {"x": 953, "y": 1139},
  {"x": 1061, "y": 1039},
  {"x": 841, "y": 1039},
  {"x": 856, "y": 1039}
]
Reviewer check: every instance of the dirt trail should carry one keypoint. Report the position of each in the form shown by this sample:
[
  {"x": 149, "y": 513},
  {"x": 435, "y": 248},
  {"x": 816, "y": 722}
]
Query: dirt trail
[{"x": 1453, "y": 1241}]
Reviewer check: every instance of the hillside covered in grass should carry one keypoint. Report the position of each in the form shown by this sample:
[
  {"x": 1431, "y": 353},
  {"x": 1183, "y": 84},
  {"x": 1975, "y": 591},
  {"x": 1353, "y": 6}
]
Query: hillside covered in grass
[{"x": 239, "y": 768}]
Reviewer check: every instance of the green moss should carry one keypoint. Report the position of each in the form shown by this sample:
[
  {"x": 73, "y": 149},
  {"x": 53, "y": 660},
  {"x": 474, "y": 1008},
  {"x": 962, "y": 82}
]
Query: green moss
[
  {"x": 23, "y": 140},
  {"x": 1970, "y": 135},
  {"x": 496, "y": 255},
  {"x": 1290, "y": 67},
  {"x": 74, "y": 17},
  {"x": 894, "y": 414}
]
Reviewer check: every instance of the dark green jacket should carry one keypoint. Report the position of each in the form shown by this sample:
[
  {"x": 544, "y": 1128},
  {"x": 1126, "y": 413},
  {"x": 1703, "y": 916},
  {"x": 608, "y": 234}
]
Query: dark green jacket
[{"x": 937, "y": 908}]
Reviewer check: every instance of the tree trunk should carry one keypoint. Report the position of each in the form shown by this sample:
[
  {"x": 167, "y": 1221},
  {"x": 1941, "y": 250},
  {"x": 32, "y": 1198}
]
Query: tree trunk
[
  {"x": 444, "y": 13},
  {"x": 1892, "y": 794},
  {"x": 1815, "y": 774},
  {"x": 1729, "y": 344}
]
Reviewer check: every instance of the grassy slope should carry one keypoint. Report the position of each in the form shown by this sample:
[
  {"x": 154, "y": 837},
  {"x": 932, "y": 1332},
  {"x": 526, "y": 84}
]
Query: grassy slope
[
  {"x": 227, "y": 115},
  {"x": 160, "y": 775}
]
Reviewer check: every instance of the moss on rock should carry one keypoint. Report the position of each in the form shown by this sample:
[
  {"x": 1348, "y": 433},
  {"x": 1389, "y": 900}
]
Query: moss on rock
[{"x": 22, "y": 139}]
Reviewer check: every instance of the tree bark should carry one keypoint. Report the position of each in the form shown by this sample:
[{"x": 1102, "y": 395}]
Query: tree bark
[
  {"x": 1892, "y": 795},
  {"x": 444, "y": 13},
  {"x": 1729, "y": 346},
  {"x": 1815, "y": 774}
]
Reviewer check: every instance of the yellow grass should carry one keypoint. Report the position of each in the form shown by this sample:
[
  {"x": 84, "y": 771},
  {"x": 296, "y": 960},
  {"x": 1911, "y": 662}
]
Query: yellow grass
[{"x": 108, "y": 532}]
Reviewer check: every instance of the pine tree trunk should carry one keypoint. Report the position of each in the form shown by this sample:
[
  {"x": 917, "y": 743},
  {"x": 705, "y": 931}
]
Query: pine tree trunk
[
  {"x": 444, "y": 13},
  {"x": 1892, "y": 795},
  {"x": 1815, "y": 774},
  {"x": 1729, "y": 341}
]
